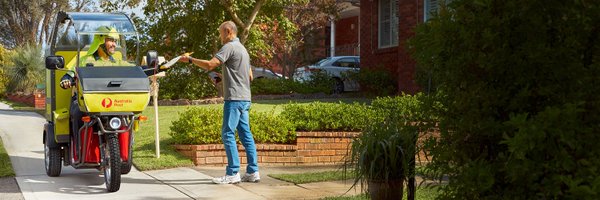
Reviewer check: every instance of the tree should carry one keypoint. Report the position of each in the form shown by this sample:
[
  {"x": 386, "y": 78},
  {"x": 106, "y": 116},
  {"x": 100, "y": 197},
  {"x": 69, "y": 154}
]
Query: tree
[
  {"x": 5, "y": 63},
  {"x": 27, "y": 70},
  {"x": 518, "y": 85},
  {"x": 294, "y": 49},
  {"x": 30, "y": 22}
]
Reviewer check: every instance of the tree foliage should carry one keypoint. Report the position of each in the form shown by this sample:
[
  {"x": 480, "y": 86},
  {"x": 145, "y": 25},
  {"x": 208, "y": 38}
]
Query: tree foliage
[
  {"x": 518, "y": 81},
  {"x": 30, "y": 22},
  {"x": 5, "y": 63},
  {"x": 292, "y": 49},
  {"x": 27, "y": 70}
]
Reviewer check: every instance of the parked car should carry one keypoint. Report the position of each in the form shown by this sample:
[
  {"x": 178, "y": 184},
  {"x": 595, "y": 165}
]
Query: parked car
[
  {"x": 257, "y": 73},
  {"x": 337, "y": 67}
]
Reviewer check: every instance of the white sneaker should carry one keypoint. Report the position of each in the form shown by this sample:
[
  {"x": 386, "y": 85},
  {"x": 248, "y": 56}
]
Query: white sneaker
[
  {"x": 227, "y": 179},
  {"x": 254, "y": 177}
]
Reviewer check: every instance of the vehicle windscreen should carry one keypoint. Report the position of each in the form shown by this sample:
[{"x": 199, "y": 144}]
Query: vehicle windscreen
[{"x": 322, "y": 62}]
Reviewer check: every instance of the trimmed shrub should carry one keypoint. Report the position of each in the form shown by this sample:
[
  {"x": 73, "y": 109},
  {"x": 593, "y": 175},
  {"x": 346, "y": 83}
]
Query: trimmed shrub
[
  {"x": 328, "y": 116},
  {"x": 203, "y": 126},
  {"x": 518, "y": 81},
  {"x": 375, "y": 81},
  {"x": 268, "y": 127},
  {"x": 198, "y": 126}
]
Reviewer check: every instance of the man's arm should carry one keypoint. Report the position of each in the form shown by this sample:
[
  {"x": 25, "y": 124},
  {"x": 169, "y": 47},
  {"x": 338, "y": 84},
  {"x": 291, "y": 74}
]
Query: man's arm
[
  {"x": 251, "y": 75},
  {"x": 207, "y": 65}
]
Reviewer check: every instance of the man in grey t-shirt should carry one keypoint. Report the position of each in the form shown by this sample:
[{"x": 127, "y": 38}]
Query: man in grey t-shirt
[{"x": 236, "y": 92}]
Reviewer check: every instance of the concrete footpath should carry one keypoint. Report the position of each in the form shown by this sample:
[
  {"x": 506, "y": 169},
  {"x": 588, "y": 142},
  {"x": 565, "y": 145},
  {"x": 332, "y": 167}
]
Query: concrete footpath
[{"x": 21, "y": 133}]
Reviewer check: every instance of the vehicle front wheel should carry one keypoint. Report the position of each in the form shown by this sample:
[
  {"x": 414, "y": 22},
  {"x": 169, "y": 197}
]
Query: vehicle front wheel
[
  {"x": 52, "y": 160},
  {"x": 112, "y": 163}
]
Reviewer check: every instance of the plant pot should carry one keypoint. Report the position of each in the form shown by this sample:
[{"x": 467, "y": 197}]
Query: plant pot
[{"x": 384, "y": 190}]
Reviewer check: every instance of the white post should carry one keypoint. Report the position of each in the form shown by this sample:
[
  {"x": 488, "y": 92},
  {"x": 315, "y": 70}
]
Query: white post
[
  {"x": 332, "y": 42},
  {"x": 155, "y": 100}
]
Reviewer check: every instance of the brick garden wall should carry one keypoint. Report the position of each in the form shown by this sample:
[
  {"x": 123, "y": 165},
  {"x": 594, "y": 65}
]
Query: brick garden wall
[{"x": 311, "y": 148}]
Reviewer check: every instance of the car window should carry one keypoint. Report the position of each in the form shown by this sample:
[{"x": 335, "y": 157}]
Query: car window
[
  {"x": 346, "y": 62},
  {"x": 321, "y": 62}
]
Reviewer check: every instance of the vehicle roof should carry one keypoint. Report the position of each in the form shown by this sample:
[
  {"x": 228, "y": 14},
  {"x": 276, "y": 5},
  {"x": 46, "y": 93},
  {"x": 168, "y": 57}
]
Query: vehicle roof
[
  {"x": 95, "y": 16},
  {"x": 88, "y": 22}
]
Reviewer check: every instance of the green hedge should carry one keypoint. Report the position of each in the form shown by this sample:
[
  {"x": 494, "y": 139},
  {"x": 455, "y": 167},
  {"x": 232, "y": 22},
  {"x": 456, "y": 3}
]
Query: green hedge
[
  {"x": 319, "y": 116},
  {"x": 203, "y": 126}
]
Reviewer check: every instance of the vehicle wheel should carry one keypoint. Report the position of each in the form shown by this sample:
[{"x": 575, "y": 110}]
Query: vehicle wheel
[
  {"x": 338, "y": 86},
  {"x": 112, "y": 162},
  {"x": 125, "y": 168},
  {"x": 52, "y": 160}
]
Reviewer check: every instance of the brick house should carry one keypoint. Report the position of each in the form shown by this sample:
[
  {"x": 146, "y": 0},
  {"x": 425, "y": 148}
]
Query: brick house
[
  {"x": 347, "y": 31},
  {"x": 385, "y": 26}
]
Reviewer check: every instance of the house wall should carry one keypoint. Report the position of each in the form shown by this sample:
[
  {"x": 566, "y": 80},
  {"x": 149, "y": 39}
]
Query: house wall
[
  {"x": 397, "y": 60},
  {"x": 346, "y": 31}
]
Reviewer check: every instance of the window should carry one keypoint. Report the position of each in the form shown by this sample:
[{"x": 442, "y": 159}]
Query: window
[
  {"x": 66, "y": 37},
  {"x": 345, "y": 62},
  {"x": 432, "y": 7},
  {"x": 388, "y": 23}
]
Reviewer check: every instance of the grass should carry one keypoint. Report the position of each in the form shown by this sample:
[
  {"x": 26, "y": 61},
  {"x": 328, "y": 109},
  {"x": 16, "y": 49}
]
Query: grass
[
  {"x": 144, "y": 148},
  {"x": 17, "y": 105},
  {"x": 313, "y": 177},
  {"x": 5, "y": 166},
  {"x": 22, "y": 107},
  {"x": 423, "y": 193}
]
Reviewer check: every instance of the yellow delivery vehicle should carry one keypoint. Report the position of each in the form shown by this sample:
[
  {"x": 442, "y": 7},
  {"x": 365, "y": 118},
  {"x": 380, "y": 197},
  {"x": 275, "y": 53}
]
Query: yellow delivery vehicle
[{"x": 96, "y": 89}]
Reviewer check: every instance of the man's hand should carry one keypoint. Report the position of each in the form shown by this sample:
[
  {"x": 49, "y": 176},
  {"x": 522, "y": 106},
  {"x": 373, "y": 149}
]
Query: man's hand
[
  {"x": 65, "y": 84},
  {"x": 185, "y": 59}
]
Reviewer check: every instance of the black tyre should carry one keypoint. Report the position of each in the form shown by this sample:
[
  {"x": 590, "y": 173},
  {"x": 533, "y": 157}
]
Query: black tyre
[
  {"x": 338, "y": 86},
  {"x": 52, "y": 160},
  {"x": 112, "y": 161}
]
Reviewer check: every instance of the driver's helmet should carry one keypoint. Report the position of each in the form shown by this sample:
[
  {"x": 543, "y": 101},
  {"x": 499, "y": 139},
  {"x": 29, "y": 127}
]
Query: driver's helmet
[{"x": 103, "y": 33}]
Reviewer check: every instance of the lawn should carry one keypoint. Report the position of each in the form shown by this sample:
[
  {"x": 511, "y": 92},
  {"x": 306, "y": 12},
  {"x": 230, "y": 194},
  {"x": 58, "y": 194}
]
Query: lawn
[
  {"x": 5, "y": 166},
  {"x": 144, "y": 153},
  {"x": 22, "y": 107},
  {"x": 313, "y": 176}
]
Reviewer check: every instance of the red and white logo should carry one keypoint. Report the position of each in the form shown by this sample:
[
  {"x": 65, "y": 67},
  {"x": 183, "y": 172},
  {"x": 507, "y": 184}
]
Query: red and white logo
[{"x": 107, "y": 102}]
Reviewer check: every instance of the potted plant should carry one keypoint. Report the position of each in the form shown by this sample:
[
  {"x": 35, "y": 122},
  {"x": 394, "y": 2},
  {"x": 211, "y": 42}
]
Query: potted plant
[{"x": 380, "y": 158}]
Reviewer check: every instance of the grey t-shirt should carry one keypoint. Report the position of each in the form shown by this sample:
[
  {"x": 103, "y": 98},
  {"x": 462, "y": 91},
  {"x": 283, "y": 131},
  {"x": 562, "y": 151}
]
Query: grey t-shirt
[{"x": 236, "y": 71}]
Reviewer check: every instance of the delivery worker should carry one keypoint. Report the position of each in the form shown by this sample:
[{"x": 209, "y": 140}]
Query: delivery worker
[{"x": 102, "y": 52}]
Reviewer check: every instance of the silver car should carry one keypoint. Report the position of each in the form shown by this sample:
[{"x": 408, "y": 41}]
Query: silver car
[
  {"x": 259, "y": 72},
  {"x": 337, "y": 67}
]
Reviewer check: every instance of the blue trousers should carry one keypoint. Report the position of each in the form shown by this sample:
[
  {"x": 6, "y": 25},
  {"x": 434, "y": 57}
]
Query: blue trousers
[{"x": 236, "y": 117}]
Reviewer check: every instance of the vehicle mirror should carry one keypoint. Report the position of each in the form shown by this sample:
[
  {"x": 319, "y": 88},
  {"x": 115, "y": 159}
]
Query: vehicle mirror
[
  {"x": 152, "y": 59},
  {"x": 55, "y": 62}
]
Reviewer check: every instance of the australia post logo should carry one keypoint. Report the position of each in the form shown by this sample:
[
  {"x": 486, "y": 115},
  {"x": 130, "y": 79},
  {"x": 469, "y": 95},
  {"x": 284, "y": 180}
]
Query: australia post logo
[{"x": 108, "y": 102}]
